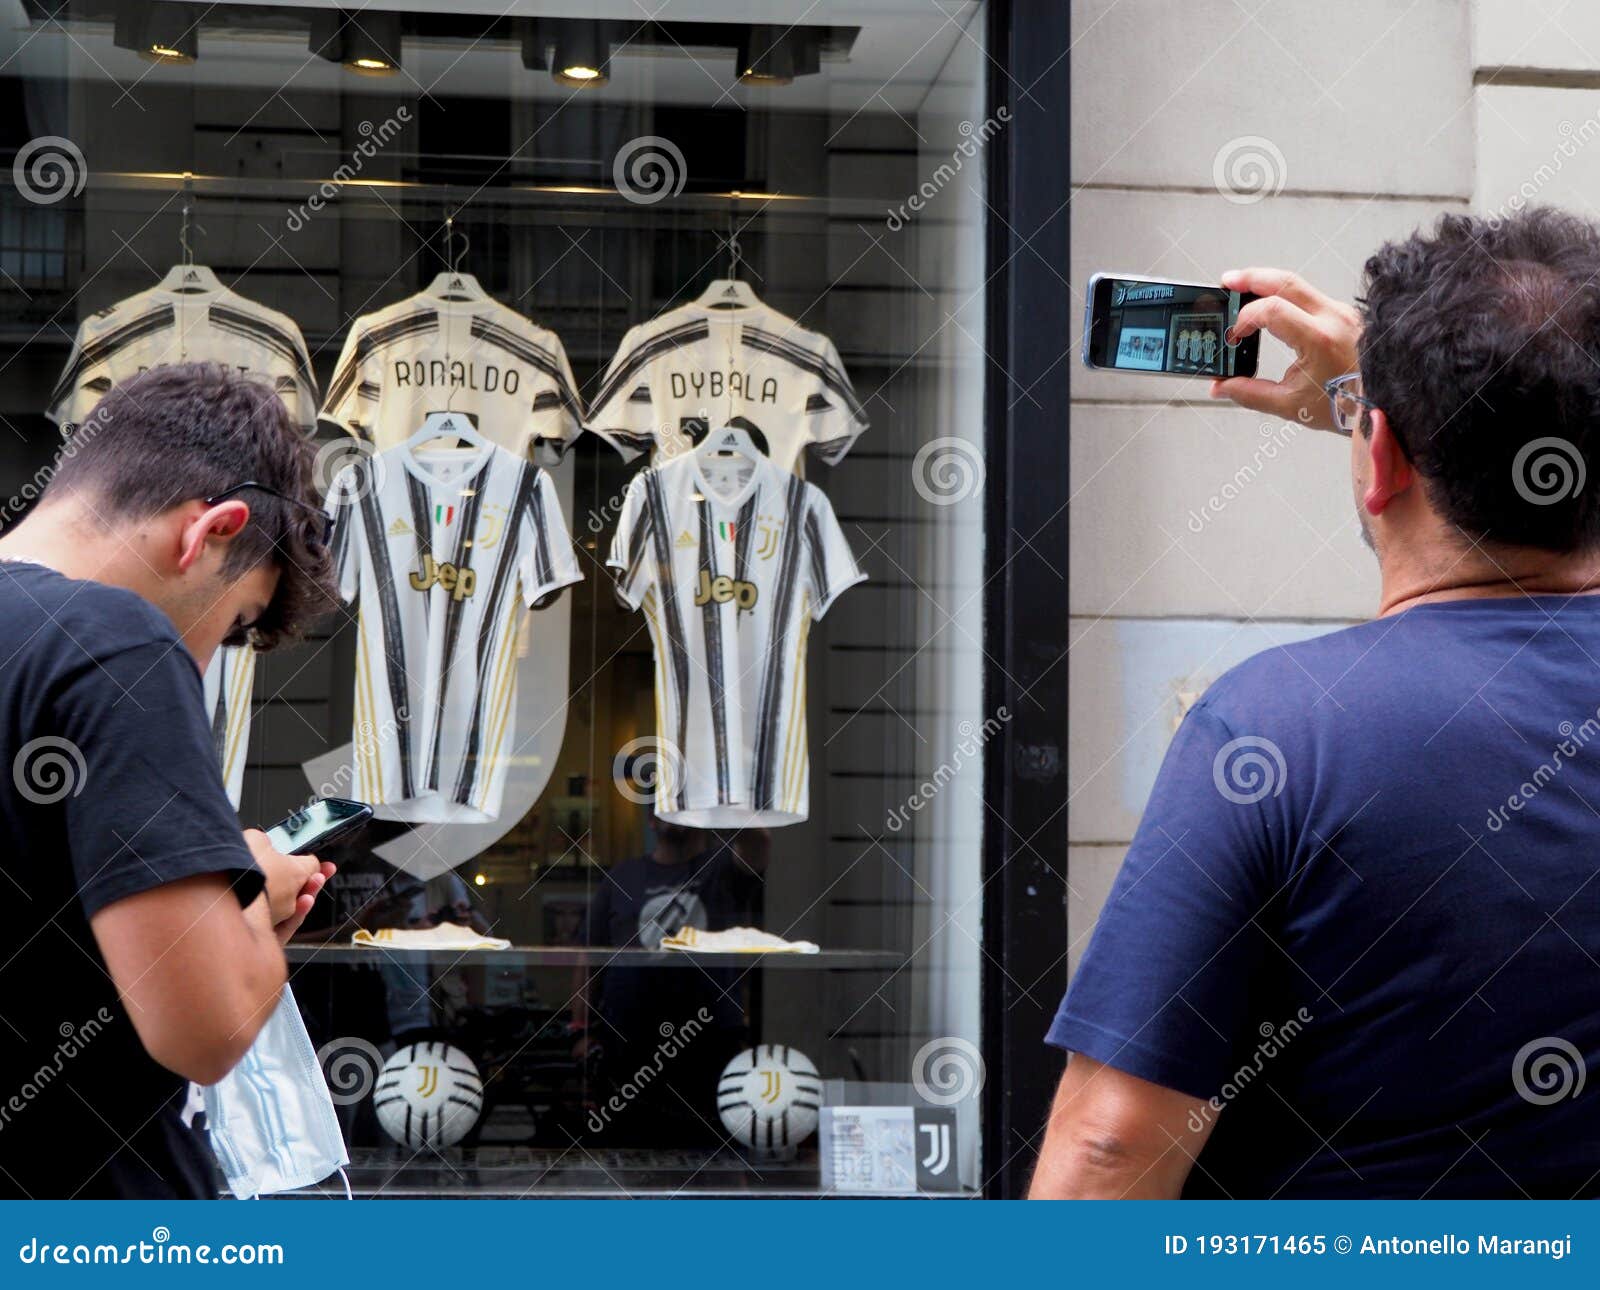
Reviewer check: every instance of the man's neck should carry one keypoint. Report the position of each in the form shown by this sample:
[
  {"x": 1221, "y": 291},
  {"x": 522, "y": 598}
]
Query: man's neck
[
  {"x": 71, "y": 543},
  {"x": 1471, "y": 571}
]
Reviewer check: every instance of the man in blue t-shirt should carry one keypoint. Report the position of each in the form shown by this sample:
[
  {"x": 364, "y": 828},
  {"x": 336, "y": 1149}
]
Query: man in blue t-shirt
[{"x": 1355, "y": 947}]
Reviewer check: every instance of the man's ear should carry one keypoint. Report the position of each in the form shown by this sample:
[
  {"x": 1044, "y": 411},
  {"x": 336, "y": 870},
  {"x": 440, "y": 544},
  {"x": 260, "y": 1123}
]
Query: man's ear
[
  {"x": 224, "y": 520},
  {"x": 1392, "y": 474}
]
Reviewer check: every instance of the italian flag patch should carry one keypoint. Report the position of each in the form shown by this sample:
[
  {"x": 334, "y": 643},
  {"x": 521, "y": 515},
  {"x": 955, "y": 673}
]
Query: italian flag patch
[
  {"x": 443, "y": 514},
  {"x": 725, "y": 530}
]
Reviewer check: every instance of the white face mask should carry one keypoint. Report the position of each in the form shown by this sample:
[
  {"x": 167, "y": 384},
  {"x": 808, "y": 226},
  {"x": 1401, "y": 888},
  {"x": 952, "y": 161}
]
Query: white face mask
[{"x": 270, "y": 1118}]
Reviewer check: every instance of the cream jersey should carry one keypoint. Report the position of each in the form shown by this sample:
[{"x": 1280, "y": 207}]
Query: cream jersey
[
  {"x": 189, "y": 317},
  {"x": 442, "y": 549},
  {"x": 698, "y": 368},
  {"x": 731, "y": 560},
  {"x": 229, "y": 684},
  {"x": 507, "y": 375}
]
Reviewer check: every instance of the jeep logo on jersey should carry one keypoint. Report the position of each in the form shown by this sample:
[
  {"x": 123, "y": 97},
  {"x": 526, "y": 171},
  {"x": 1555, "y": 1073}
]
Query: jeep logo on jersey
[
  {"x": 460, "y": 583},
  {"x": 722, "y": 589}
]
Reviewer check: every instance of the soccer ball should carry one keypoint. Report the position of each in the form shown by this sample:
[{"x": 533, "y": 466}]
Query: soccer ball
[
  {"x": 768, "y": 1097},
  {"x": 428, "y": 1095}
]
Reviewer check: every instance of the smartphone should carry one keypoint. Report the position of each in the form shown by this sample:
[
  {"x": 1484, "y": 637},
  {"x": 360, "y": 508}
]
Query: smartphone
[
  {"x": 1158, "y": 326},
  {"x": 325, "y": 821}
]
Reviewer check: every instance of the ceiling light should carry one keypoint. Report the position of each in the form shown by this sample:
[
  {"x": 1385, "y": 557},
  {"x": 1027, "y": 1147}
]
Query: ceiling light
[
  {"x": 366, "y": 43},
  {"x": 161, "y": 31},
  {"x": 770, "y": 55},
  {"x": 582, "y": 54}
]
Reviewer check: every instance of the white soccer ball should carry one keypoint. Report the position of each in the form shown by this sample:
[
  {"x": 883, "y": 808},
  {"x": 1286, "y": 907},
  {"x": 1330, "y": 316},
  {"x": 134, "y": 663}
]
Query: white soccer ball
[
  {"x": 769, "y": 1097},
  {"x": 428, "y": 1095}
]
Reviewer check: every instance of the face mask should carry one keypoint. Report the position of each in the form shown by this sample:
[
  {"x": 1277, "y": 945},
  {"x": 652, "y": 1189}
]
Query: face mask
[{"x": 270, "y": 1118}]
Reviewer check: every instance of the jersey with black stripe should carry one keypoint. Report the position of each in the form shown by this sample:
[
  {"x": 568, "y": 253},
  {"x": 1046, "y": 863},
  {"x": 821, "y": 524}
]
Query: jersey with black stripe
[
  {"x": 731, "y": 561},
  {"x": 442, "y": 548},
  {"x": 426, "y": 354},
  {"x": 229, "y": 684},
  {"x": 201, "y": 322},
  {"x": 697, "y": 368}
]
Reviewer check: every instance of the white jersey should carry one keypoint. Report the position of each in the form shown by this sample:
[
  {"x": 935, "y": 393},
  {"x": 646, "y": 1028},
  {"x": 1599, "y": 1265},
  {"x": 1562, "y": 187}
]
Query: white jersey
[
  {"x": 229, "y": 683},
  {"x": 442, "y": 548},
  {"x": 189, "y": 317},
  {"x": 507, "y": 375},
  {"x": 698, "y": 368},
  {"x": 731, "y": 560}
]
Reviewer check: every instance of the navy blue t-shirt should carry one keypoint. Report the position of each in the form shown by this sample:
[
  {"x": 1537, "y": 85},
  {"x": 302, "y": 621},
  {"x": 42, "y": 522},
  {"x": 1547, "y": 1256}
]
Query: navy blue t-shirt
[
  {"x": 111, "y": 788},
  {"x": 1362, "y": 912}
]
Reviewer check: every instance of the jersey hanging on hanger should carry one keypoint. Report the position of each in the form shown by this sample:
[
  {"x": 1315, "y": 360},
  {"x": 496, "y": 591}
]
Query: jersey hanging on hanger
[
  {"x": 698, "y": 367},
  {"x": 442, "y": 549},
  {"x": 452, "y": 348},
  {"x": 731, "y": 560},
  {"x": 190, "y": 317}
]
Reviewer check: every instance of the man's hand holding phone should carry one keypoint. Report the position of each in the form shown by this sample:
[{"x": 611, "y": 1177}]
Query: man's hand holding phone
[
  {"x": 1321, "y": 331},
  {"x": 293, "y": 882}
]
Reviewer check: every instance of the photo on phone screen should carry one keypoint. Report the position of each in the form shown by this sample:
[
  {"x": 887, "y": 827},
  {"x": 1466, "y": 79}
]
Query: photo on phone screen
[{"x": 1134, "y": 324}]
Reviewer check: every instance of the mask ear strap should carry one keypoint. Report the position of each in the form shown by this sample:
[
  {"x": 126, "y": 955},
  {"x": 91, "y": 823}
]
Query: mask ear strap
[{"x": 346, "y": 1181}]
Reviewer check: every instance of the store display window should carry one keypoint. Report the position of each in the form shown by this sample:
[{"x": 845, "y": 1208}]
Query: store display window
[{"x": 645, "y": 355}]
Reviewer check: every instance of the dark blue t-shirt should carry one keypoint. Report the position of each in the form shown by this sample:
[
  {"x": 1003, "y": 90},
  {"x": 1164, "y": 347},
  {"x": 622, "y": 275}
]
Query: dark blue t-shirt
[{"x": 1362, "y": 912}]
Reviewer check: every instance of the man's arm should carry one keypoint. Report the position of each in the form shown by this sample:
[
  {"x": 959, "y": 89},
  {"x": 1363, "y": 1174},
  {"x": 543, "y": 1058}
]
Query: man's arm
[{"x": 1114, "y": 1136}]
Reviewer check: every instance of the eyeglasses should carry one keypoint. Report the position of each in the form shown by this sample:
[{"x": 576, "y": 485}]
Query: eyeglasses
[
  {"x": 325, "y": 522},
  {"x": 1347, "y": 401}
]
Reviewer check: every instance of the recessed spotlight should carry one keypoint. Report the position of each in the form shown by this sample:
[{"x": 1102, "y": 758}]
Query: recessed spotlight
[{"x": 366, "y": 43}]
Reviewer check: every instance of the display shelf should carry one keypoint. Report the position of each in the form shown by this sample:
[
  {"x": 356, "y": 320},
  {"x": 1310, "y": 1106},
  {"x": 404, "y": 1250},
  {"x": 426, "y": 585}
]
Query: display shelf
[
  {"x": 595, "y": 956},
  {"x": 389, "y": 1173}
]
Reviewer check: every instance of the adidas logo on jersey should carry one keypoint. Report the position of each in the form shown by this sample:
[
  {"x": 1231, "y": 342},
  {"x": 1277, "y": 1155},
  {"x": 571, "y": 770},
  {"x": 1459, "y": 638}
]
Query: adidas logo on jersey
[
  {"x": 400, "y": 528},
  {"x": 685, "y": 539}
]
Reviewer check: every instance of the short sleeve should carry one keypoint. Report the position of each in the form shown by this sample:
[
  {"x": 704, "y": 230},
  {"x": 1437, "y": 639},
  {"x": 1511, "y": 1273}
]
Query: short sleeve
[
  {"x": 557, "y": 414},
  {"x": 830, "y": 565},
  {"x": 630, "y": 545},
  {"x": 623, "y": 413},
  {"x": 304, "y": 406},
  {"x": 1164, "y": 991},
  {"x": 344, "y": 509},
  {"x": 352, "y": 400},
  {"x": 151, "y": 808},
  {"x": 77, "y": 389},
  {"x": 832, "y": 416},
  {"x": 548, "y": 561}
]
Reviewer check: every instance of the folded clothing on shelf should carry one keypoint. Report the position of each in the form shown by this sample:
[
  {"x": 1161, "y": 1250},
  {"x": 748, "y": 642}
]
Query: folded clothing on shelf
[
  {"x": 446, "y": 936},
  {"x": 736, "y": 940}
]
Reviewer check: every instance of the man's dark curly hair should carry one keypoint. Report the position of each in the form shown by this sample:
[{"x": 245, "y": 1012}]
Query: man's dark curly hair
[
  {"x": 193, "y": 430},
  {"x": 1479, "y": 339}
]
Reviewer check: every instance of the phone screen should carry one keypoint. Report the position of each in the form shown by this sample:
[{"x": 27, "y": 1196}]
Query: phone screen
[
  {"x": 1174, "y": 328},
  {"x": 308, "y": 827}
]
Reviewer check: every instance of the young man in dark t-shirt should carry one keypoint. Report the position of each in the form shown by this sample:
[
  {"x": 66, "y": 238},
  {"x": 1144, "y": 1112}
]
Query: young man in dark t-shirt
[{"x": 142, "y": 943}]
